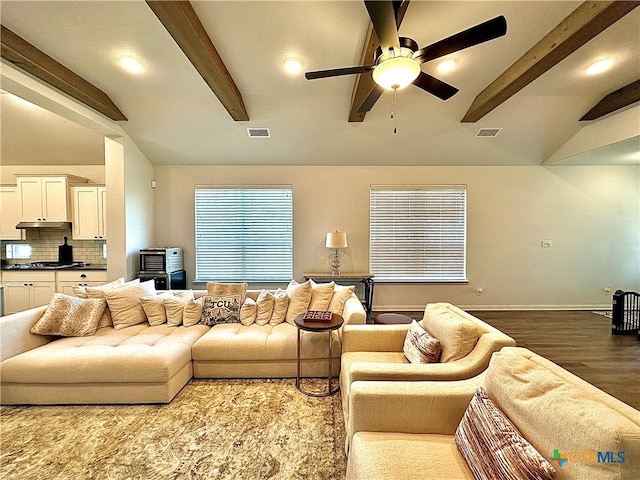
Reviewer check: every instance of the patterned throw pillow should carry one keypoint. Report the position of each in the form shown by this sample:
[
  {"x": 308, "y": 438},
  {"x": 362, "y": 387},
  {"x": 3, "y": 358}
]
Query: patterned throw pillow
[
  {"x": 419, "y": 346},
  {"x": 280, "y": 305},
  {"x": 69, "y": 316},
  {"x": 493, "y": 447},
  {"x": 218, "y": 288},
  {"x": 221, "y": 309}
]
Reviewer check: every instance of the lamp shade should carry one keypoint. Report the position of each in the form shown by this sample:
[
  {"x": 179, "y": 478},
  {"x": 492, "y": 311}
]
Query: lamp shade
[
  {"x": 336, "y": 240},
  {"x": 396, "y": 73}
]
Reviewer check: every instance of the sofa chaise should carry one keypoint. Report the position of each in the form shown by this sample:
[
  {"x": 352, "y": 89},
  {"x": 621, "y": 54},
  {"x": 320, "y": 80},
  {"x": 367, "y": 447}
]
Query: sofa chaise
[
  {"x": 583, "y": 432},
  {"x": 145, "y": 363}
]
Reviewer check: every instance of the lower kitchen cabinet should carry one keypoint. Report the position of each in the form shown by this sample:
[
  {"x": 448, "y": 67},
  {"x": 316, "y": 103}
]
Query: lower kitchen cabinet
[
  {"x": 25, "y": 290},
  {"x": 67, "y": 279}
]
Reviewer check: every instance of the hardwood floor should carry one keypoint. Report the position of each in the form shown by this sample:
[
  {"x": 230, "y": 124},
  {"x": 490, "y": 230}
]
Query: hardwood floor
[{"x": 579, "y": 341}]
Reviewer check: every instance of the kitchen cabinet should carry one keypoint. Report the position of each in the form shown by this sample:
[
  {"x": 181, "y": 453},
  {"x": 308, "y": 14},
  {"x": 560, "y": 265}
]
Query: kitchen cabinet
[
  {"x": 46, "y": 198},
  {"x": 67, "y": 279},
  {"x": 89, "y": 212},
  {"x": 25, "y": 290},
  {"x": 10, "y": 213}
]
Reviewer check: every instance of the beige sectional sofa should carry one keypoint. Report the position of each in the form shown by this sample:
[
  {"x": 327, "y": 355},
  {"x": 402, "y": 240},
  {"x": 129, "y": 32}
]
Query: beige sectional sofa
[
  {"x": 375, "y": 352},
  {"x": 150, "y": 364},
  {"x": 406, "y": 430}
]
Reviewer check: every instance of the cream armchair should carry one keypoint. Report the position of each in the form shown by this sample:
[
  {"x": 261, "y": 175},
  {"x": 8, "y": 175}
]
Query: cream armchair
[
  {"x": 405, "y": 430},
  {"x": 375, "y": 352}
]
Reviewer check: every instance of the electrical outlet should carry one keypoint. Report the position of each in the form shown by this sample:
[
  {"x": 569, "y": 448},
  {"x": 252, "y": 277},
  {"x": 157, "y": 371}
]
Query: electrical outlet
[
  {"x": 607, "y": 290},
  {"x": 479, "y": 291}
]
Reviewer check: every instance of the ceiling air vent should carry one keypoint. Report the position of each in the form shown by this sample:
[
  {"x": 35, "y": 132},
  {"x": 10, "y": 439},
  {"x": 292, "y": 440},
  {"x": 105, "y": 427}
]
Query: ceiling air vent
[
  {"x": 258, "y": 133},
  {"x": 488, "y": 132}
]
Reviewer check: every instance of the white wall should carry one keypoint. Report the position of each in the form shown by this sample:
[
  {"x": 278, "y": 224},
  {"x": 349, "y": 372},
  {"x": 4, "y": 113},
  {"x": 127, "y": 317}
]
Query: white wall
[
  {"x": 129, "y": 205},
  {"x": 591, "y": 214}
]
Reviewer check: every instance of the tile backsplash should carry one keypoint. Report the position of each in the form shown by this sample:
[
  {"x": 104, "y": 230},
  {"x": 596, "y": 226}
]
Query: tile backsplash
[{"x": 45, "y": 242}]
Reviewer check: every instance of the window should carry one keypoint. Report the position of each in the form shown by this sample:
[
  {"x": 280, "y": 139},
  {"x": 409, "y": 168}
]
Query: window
[
  {"x": 418, "y": 233},
  {"x": 244, "y": 234}
]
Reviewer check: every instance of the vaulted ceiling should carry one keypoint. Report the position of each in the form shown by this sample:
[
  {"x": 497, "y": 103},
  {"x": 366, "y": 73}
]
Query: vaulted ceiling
[{"x": 212, "y": 71}]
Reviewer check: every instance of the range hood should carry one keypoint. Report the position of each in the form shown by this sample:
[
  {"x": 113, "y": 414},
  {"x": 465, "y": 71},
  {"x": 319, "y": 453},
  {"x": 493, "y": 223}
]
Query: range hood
[{"x": 23, "y": 225}]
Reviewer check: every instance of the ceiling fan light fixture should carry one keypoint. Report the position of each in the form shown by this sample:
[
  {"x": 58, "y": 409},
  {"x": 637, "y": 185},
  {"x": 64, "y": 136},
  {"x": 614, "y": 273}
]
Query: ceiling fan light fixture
[{"x": 396, "y": 73}]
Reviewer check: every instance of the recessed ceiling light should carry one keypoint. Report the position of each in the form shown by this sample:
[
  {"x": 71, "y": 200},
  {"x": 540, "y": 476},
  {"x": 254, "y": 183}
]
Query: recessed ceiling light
[
  {"x": 600, "y": 66},
  {"x": 292, "y": 65},
  {"x": 447, "y": 65},
  {"x": 130, "y": 64}
]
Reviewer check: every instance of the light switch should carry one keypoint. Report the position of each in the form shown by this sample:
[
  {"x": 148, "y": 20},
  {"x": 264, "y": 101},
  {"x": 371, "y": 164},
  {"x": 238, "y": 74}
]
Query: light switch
[{"x": 545, "y": 244}]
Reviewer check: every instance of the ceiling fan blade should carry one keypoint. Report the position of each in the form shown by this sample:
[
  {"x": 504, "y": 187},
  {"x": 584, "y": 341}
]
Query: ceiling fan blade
[
  {"x": 336, "y": 72},
  {"x": 383, "y": 18},
  {"x": 483, "y": 32},
  {"x": 436, "y": 87}
]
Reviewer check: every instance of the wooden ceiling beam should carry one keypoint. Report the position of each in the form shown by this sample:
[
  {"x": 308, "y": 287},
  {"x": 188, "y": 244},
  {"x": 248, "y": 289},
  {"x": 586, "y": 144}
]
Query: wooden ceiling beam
[
  {"x": 182, "y": 23},
  {"x": 621, "y": 98},
  {"x": 587, "y": 21},
  {"x": 366, "y": 92},
  {"x": 21, "y": 53}
]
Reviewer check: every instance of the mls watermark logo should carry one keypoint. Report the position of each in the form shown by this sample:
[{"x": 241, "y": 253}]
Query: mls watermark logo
[{"x": 585, "y": 456}]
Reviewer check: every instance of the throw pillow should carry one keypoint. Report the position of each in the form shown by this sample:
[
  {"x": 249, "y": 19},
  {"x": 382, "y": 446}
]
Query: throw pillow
[
  {"x": 174, "y": 307},
  {"x": 125, "y": 306},
  {"x": 419, "y": 346},
  {"x": 321, "y": 294},
  {"x": 248, "y": 312},
  {"x": 340, "y": 296},
  {"x": 299, "y": 298},
  {"x": 457, "y": 335},
  {"x": 280, "y": 304},
  {"x": 264, "y": 307},
  {"x": 216, "y": 288},
  {"x": 192, "y": 312},
  {"x": 69, "y": 316},
  {"x": 154, "y": 308},
  {"x": 81, "y": 291},
  {"x": 493, "y": 447},
  {"x": 98, "y": 292},
  {"x": 221, "y": 309}
]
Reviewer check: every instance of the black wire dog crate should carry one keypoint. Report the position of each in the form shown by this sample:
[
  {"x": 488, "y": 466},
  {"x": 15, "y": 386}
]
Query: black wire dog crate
[{"x": 626, "y": 313}]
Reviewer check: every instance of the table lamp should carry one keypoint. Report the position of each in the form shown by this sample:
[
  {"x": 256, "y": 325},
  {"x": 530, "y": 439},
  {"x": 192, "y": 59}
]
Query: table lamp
[{"x": 336, "y": 240}]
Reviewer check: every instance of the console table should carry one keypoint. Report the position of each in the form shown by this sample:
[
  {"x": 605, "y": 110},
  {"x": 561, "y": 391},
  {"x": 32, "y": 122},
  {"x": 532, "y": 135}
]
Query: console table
[{"x": 365, "y": 278}]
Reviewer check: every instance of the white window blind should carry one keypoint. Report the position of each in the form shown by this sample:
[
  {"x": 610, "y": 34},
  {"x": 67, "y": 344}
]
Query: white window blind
[
  {"x": 244, "y": 234},
  {"x": 418, "y": 233}
]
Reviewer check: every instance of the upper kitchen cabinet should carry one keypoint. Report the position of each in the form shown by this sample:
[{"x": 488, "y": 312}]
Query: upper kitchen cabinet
[
  {"x": 10, "y": 213},
  {"x": 46, "y": 198},
  {"x": 89, "y": 212}
]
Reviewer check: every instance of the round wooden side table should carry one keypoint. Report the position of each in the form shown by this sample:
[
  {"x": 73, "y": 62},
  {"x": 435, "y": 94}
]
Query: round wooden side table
[{"x": 318, "y": 327}]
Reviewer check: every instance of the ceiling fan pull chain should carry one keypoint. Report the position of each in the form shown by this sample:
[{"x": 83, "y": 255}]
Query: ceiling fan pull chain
[{"x": 394, "y": 103}]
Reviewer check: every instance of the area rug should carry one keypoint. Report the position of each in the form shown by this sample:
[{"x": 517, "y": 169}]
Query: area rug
[{"x": 213, "y": 429}]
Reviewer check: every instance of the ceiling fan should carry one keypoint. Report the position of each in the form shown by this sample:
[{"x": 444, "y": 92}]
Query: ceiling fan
[{"x": 398, "y": 59}]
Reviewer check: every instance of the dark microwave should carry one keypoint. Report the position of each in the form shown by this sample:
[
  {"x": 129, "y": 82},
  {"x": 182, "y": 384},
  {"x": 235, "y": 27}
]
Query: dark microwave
[{"x": 161, "y": 259}]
